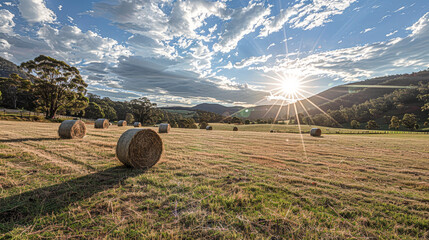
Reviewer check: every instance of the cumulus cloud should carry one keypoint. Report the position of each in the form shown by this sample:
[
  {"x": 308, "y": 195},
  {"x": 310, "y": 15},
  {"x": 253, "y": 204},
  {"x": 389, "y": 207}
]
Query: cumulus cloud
[
  {"x": 4, "y": 44},
  {"x": 6, "y": 21},
  {"x": 71, "y": 43},
  {"x": 188, "y": 16},
  {"x": 148, "y": 19},
  {"x": 138, "y": 17},
  {"x": 306, "y": 15},
  {"x": 243, "y": 21},
  {"x": 357, "y": 63},
  {"x": 35, "y": 11}
]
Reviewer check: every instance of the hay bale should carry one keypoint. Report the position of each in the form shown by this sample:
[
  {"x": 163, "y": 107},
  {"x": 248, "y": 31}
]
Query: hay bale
[
  {"x": 315, "y": 132},
  {"x": 122, "y": 123},
  {"x": 137, "y": 124},
  {"x": 72, "y": 129},
  {"x": 102, "y": 123},
  {"x": 235, "y": 129},
  {"x": 164, "y": 128},
  {"x": 139, "y": 148},
  {"x": 209, "y": 128}
]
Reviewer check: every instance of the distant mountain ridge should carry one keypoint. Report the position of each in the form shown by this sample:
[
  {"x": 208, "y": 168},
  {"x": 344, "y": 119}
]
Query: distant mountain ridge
[
  {"x": 345, "y": 95},
  {"x": 210, "y": 107}
]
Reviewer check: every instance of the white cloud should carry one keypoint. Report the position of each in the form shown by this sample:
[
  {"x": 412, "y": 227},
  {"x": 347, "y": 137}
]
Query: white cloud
[
  {"x": 305, "y": 15},
  {"x": 367, "y": 30},
  {"x": 243, "y": 21},
  {"x": 4, "y": 44},
  {"x": 6, "y": 21},
  {"x": 35, "y": 11},
  {"x": 228, "y": 65},
  {"x": 252, "y": 61},
  {"x": 212, "y": 29},
  {"x": 357, "y": 63},
  {"x": 384, "y": 17},
  {"x": 137, "y": 17},
  {"x": 187, "y": 16},
  {"x": 287, "y": 39},
  {"x": 390, "y": 34},
  {"x": 271, "y": 45},
  {"x": 420, "y": 26},
  {"x": 399, "y": 9},
  {"x": 60, "y": 7},
  {"x": 274, "y": 24},
  {"x": 74, "y": 45}
]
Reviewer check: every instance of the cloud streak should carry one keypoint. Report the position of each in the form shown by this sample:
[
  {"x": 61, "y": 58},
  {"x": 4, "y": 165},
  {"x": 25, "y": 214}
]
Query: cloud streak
[{"x": 370, "y": 60}]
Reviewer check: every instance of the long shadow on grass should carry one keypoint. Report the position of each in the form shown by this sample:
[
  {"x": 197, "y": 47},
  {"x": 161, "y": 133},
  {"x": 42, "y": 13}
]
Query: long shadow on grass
[
  {"x": 27, "y": 139},
  {"x": 23, "y": 208}
]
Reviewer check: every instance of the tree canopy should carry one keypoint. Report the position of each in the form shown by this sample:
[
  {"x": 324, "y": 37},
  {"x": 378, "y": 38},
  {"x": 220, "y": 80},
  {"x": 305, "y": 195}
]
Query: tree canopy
[{"x": 57, "y": 85}]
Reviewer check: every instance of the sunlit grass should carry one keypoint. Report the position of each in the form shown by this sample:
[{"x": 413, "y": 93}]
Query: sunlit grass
[{"x": 221, "y": 184}]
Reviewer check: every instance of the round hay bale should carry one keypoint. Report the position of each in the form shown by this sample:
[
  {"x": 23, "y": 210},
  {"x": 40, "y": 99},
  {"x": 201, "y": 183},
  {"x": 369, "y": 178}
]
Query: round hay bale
[
  {"x": 164, "y": 128},
  {"x": 72, "y": 129},
  {"x": 235, "y": 129},
  {"x": 209, "y": 128},
  {"x": 315, "y": 132},
  {"x": 122, "y": 123},
  {"x": 102, "y": 123},
  {"x": 139, "y": 148},
  {"x": 137, "y": 124}
]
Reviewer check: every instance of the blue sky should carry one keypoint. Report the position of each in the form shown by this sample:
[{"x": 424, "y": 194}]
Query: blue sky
[{"x": 227, "y": 52}]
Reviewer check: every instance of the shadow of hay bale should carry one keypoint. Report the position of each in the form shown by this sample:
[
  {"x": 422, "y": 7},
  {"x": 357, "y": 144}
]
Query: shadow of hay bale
[{"x": 22, "y": 209}]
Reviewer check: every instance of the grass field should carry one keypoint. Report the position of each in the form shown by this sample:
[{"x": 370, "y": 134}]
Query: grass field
[
  {"x": 214, "y": 185},
  {"x": 283, "y": 128}
]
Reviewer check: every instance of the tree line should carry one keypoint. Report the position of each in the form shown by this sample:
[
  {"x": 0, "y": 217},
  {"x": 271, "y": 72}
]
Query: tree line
[
  {"x": 54, "y": 87},
  {"x": 368, "y": 112}
]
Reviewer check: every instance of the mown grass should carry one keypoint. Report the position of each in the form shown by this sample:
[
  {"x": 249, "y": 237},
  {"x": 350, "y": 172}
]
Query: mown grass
[
  {"x": 215, "y": 185},
  {"x": 284, "y": 128}
]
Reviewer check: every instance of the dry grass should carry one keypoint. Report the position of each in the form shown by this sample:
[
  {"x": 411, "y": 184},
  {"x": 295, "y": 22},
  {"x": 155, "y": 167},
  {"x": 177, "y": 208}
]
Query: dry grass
[{"x": 218, "y": 184}]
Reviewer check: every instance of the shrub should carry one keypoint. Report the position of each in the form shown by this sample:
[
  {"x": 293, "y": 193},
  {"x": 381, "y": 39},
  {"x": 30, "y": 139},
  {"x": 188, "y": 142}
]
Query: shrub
[
  {"x": 186, "y": 123},
  {"x": 372, "y": 125},
  {"x": 203, "y": 125},
  {"x": 355, "y": 124},
  {"x": 409, "y": 121}
]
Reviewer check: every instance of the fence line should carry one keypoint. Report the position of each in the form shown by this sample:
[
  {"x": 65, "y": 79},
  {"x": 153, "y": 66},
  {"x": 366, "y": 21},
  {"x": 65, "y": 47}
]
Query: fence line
[{"x": 26, "y": 113}]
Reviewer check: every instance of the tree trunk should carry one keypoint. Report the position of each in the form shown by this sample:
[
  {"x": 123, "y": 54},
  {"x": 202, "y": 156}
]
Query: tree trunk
[{"x": 14, "y": 100}]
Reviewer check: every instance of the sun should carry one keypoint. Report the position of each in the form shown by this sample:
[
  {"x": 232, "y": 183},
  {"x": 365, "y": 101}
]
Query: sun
[{"x": 290, "y": 86}]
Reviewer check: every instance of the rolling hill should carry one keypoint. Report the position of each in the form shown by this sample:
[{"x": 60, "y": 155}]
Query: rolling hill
[{"x": 345, "y": 95}]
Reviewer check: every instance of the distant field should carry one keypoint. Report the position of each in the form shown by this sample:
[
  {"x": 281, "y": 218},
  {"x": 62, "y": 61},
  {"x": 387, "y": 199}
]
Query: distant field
[
  {"x": 283, "y": 128},
  {"x": 214, "y": 185},
  {"x": 184, "y": 113}
]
